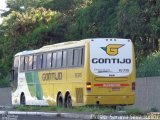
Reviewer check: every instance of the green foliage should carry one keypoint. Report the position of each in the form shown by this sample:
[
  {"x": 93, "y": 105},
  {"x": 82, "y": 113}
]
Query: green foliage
[
  {"x": 149, "y": 66},
  {"x": 90, "y": 109},
  {"x": 22, "y": 23},
  {"x": 138, "y": 20},
  {"x": 96, "y": 110},
  {"x": 96, "y": 20},
  {"x": 35, "y": 108},
  {"x": 19, "y": 28},
  {"x": 4, "y": 82},
  {"x": 134, "y": 112},
  {"x": 24, "y": 31},
  {"x": 23, "y": 5},
  {"x": 62, "y": 5},
  {"x": 31, "y": 24}
]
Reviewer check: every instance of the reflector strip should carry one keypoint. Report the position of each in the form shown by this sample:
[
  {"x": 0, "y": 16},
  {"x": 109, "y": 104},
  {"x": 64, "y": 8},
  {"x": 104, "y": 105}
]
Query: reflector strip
[
  {"x": 88, "y": 86},
  {"x": 112, "y": 85}
]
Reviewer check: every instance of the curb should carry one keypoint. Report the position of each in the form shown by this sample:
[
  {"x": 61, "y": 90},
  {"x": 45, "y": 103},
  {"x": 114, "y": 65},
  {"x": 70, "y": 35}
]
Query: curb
[
  {"x": 76, "y": 115},
  {"x": 49, "y": 114},
  {"x": 6, "y": 107}
]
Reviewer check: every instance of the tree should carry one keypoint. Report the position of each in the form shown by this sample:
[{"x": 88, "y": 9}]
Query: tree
[
  {"x": 23, "y": 31},
  {"x": 137, "y": 20},
  {"x": 98, "y": 19},
  {"x": 22, "y": 5}
]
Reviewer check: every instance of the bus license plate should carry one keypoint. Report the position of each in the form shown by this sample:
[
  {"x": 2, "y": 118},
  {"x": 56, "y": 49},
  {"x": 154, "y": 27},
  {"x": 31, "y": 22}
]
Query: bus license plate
[{"x": 115, "y": 89}]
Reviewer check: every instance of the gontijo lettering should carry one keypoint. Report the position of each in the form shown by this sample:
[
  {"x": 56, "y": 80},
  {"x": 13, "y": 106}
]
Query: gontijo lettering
[
  {"x": 111, "y": 60},
  {"x": 52, "y": 76}
]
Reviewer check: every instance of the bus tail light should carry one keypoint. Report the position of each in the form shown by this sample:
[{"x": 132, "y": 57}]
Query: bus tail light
[
  {"x": 88, "y": 87},
  {"x": 133, "y": 86}
]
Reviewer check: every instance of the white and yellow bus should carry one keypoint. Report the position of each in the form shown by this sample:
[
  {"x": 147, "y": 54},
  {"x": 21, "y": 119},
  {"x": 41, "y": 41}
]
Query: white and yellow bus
[{"x": 98, "y": 71}]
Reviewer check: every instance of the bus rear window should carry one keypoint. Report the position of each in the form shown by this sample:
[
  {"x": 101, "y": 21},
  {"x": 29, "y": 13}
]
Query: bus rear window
[
  {"x": 111, "y": 57},
  {"x": 16, "y": 62}
]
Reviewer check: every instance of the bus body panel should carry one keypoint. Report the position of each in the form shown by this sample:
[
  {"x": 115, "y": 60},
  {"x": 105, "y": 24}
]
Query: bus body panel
[{"x": 114, "y": 89}]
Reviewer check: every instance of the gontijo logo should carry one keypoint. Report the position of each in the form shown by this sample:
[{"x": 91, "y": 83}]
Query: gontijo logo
[{"x": 112, "y": 49}]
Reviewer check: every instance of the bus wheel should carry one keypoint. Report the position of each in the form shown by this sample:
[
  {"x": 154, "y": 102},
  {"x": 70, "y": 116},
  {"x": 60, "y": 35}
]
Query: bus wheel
[
  {"x": 69, "y": 102},
  {"x": 23, "y": 99},
  {"x": 60, "y": 100},
  {"x": 114, "y": 107}
]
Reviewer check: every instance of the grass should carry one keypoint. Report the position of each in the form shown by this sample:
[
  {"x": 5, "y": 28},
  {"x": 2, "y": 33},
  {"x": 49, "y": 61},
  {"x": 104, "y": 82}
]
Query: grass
[
  {"x": 133, "y": 111},
  {"x": 89, "y": 109},
  {"x": 80, "y": 109},
  {"x": 35, "y": 108}
]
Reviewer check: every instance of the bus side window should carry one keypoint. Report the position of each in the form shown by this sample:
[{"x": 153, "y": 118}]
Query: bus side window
[
  {"x": 34, "y": 62},
  {"x": 49, "y": 60},
  {"x": 26, "y": 63},
  {"x": 22, "y": 67},
  {"x": 54, "y": 58},
  {"x": 59, "y": 59},
  {"x": 64, "y": 58},
  {"x": 70, "y": 57},
  {"x": 39, "y": 61},
  {"x": 30, "y": 62},
  {"x": 76, "y": 53},
  {"x": 44, "y": 60},
  {"x": 81, "y": 57}
]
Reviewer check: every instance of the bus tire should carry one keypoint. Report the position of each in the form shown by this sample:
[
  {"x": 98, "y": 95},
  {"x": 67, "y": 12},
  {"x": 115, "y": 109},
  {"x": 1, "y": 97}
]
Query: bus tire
[
  {"x": 22, "y": 99},
  {"x": 60, "y": 100},
  {"x": 114, "y": 107},
  {"x": 68, "y": 101}
]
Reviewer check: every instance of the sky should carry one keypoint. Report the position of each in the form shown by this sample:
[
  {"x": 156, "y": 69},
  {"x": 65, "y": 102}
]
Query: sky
[{"x": 2, "y": 7}]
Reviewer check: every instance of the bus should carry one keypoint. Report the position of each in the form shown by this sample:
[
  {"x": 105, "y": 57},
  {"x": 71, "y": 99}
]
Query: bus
[{"x": 96, "y": 71}]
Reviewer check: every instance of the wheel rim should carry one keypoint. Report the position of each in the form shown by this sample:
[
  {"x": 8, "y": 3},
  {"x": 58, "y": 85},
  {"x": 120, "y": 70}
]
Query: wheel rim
[
  {"x": 23, "y": 100},
  {"x": 69, "y": 102},
  {"x": 60, "y": 102}
]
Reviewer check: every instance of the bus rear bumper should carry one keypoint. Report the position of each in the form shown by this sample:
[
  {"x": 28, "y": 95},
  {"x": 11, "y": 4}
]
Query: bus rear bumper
[{"x": 110, "y": 100}]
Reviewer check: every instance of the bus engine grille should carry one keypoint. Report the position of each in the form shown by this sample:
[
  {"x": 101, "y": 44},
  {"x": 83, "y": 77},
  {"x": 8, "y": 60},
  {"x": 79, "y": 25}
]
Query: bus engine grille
[{"x": 79, "y": 95}]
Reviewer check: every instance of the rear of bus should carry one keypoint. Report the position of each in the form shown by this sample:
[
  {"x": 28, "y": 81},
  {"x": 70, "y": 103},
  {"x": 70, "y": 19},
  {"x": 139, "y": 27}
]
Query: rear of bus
[{"x": 112, "y": 72}]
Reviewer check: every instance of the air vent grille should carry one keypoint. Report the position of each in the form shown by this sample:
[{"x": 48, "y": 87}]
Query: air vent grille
[{"x": 79, "y": 95}]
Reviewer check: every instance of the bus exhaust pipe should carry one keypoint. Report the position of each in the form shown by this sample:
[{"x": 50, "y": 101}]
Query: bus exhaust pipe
[{"x": 97, "y": 103}]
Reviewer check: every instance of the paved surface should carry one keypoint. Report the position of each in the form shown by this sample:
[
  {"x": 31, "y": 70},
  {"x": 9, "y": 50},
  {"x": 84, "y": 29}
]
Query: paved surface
[
  {"x": 5, "y": 105},
  {"x": 48, "y": 117},
  {"x": 32, "y": 117},
  {"x": 45, "y": 115}
]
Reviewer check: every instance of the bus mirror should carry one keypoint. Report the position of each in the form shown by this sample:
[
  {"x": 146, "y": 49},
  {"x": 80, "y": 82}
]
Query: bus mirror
[{"x": 11, "y": 75}]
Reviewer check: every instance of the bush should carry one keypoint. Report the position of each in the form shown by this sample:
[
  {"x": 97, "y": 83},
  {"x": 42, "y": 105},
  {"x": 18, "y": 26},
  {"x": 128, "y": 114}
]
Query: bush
[
  {"x": 149, "y": 66},
  {"x": 4, "y": 83}
]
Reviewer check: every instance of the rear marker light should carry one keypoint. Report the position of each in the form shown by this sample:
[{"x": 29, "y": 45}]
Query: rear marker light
[
  {"x": 88, "y": 87},
  {"x": 133, "y": 86}
]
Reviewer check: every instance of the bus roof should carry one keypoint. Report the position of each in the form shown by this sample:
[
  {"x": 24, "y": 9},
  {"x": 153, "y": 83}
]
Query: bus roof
[
  {"x": 26, "y": 52},
  {"x": 57, "y": 46},
  {"x": 64, "y": 45}
]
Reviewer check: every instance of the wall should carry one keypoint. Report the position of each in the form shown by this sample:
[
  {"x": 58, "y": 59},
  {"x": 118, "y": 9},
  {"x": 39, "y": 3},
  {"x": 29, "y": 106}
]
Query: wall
[
  {"x": 147, "y": 93},
  {"x": 5, "y": 96}
]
